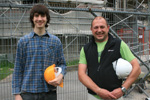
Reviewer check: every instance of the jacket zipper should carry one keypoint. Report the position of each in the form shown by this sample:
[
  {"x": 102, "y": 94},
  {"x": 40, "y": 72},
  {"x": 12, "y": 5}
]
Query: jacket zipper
[
  {"x": 101, "y": 57},
  {"x": 98, "y": 68}
]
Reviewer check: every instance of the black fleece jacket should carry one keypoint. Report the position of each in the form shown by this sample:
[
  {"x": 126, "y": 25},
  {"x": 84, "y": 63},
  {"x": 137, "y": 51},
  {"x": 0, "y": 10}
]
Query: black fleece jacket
[{"x": 103, "y": 73}]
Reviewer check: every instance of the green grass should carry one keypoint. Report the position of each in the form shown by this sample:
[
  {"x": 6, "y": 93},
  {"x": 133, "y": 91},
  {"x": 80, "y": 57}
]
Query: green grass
[
  {"x": 71, "y": 63},
  {"x": 5, "y": 69}
]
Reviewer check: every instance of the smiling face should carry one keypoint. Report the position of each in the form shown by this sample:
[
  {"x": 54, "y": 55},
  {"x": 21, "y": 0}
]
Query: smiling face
[
  {"x": 100, "y": 29},
  {"x": 39, "y": 14},
  {"x": 39, "y": 21}
]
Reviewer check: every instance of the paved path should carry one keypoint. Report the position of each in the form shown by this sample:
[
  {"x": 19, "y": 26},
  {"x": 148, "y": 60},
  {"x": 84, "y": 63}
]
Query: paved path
[{"x": 73, "y": 89}]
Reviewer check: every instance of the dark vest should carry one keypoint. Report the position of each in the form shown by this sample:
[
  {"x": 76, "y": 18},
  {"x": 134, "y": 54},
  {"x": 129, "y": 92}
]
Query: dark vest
[{"x": 103, "y": 73}]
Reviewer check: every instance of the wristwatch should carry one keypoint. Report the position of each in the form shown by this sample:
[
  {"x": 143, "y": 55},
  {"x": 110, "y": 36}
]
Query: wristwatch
[{"x": 123, "y": 89}]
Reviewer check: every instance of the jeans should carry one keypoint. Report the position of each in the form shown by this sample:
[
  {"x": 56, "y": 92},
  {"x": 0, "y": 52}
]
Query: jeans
[{"x": 52, "y": 95}]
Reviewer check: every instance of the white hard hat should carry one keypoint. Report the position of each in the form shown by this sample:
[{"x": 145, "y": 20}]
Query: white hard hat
[{"x": 122, "y": 68}]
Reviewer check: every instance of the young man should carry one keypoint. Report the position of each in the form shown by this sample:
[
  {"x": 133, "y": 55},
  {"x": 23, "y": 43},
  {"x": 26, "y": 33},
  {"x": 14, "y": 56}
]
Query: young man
[
  {"x": 35, "y": 52},
  {"x": 97, "y": 56}
]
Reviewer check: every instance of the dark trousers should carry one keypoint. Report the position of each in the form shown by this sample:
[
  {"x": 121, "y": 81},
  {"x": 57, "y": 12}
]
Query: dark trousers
[{"x": 52, "y": 95}]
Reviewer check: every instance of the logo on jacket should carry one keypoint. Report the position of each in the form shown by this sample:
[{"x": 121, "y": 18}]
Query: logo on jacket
[{"x": 110, "y": 50}]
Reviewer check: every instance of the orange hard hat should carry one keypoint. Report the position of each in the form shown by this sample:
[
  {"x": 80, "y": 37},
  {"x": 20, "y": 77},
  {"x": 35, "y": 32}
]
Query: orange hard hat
[{"x": 50, "y": 74}]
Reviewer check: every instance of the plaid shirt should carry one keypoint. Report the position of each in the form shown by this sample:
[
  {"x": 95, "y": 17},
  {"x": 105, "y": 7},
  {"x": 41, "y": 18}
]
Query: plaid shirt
[{"x": 34, "y": 54}]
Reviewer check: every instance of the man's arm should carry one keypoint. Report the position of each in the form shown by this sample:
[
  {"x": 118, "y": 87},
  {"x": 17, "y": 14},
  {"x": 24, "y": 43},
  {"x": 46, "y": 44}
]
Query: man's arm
[
  {"x": 87, "y": 81},
  {"x": 136, "y": 70},
  {"x": 60, "y": 63},
  {"x": 61, "y": 59},
  {"x": 18, "y": 70}
]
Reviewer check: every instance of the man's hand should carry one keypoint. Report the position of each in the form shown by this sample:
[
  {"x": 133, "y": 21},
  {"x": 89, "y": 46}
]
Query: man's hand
[
  {"x": 105, "y": 94},
  {"x": 55, "y": 82},
  {"x": 117, "y": 93},
  {"x": 18, "y": 97}
]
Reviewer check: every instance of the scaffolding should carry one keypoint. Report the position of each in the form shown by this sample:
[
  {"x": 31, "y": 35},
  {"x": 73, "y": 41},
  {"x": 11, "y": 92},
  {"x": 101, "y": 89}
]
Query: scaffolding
[{"x": 70, "y": 21}]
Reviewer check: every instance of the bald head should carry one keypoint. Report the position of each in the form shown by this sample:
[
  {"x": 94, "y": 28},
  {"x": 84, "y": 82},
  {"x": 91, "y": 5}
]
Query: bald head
[
  {"x": 98, "y": 18},
  {"x": 100, "y": 29}
]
